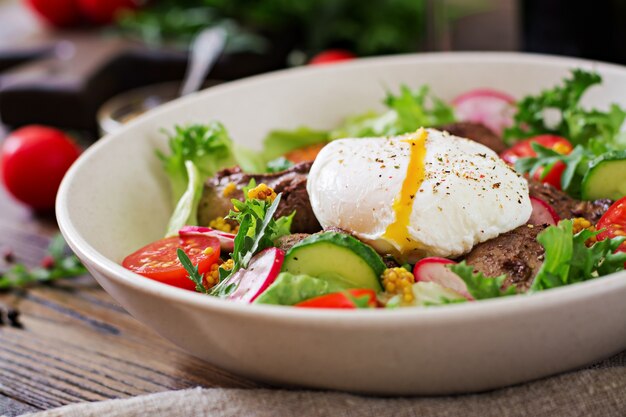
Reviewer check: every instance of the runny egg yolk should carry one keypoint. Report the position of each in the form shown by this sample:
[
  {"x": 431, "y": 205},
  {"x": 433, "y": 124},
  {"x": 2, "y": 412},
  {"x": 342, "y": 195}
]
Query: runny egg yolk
[{"x": 397, "y": 231}]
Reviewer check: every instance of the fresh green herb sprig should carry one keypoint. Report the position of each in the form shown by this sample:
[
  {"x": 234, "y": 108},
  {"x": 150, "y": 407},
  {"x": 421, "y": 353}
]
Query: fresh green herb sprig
[
  {"x": 192, "y": 271},
  {"x": 209, "y": 147},
  {"x": 480, "y": 286},
  {"x": 60, "y": 264},
  {"x": 258, "y": 230},
  {"x": 569, "y": 260},
  {"x": 575, "y": 123},
  {"x": 197, "y": 152}
]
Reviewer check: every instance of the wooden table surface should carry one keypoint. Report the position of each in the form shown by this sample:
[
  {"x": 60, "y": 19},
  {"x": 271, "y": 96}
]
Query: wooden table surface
[{"x": 76, "y": 343}]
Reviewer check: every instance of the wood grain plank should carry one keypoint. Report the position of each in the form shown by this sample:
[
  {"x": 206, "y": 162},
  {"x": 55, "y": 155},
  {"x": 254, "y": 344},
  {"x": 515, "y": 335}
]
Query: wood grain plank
[
  {"x": 10, "y": 407},
  {"x": 76, "y": 343}
]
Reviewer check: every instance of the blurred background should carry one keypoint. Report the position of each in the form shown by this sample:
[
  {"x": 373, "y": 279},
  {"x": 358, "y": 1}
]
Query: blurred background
[{"x": 64, "y": 63}]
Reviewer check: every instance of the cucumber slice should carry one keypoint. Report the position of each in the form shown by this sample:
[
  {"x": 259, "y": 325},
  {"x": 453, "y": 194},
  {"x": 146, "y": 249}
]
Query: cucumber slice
[
  {"x": 337, "y": 258},
  {"x": 606, "y": 177}
]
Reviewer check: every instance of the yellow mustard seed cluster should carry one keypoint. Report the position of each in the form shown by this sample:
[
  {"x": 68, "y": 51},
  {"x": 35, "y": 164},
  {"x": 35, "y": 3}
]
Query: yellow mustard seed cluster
[
  {"x": 230, "y": 188},
  {"x": 579, "y": 224},
  {"x": 228, "y": 265},
  {"x": 212, "y": 277},
  {"x": 399, "y": 281},
  {"x": 219, "y": 223},
  {"x": 262, "y": 192}
]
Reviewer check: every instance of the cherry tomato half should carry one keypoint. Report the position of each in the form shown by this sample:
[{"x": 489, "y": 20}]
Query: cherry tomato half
[
  {"x": 34, "y": 160},
  {"x": 159, "y": 260},
  {"x": 553, "y": 177},
  {"x": 331, "y": 56},
  {"x": 523, "y": 149},
  {"x": 344, "y": 299},
  {"x": 614, "y": 222}
]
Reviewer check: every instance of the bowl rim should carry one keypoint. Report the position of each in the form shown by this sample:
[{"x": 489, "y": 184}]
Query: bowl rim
[{"x": 457, "y": 313}]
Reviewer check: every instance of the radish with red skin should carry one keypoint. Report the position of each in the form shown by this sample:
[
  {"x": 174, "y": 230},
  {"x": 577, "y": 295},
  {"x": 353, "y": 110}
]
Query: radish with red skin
[
  {"x": 260, "y": 274},
  {"x": 227, "y": 240},
  {"x": 492, "y": 108},
  {"x": 542, "y": 213},
  {"x": 436, "y": 270}
]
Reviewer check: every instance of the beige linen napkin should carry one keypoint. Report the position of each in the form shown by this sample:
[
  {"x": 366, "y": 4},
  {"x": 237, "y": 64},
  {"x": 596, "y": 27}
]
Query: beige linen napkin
[{"x": 596, "y": 391}]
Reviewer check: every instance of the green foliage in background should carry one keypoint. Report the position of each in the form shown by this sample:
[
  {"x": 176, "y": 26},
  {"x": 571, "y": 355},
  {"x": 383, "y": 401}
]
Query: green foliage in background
[{"x": 364, "y": 27}]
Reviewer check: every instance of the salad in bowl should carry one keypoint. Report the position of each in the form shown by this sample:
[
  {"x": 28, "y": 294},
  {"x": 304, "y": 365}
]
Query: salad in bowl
[{"x": 424, "y": 204}]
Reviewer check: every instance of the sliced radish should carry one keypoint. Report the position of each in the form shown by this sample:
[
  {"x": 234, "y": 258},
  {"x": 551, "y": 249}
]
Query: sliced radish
[
  {"x": 492, "y": 108},
  {"x": 227, "y": 240},
  {"x": 260, "y": 274},
  {"x": 542, "y": 213},
  {"x": 435, "y": 270}
]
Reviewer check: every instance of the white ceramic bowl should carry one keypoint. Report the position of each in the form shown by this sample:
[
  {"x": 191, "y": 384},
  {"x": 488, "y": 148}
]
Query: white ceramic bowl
[{"x": 115, "y": 199}]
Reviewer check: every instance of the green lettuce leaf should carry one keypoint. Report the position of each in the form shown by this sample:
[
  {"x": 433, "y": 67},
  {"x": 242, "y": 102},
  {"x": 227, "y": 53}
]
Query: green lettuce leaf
[
  {"x": 279, "y": 142},
  {"x": 186, "y": 211},
  {"x": 569, "y": 260},
  {"x": 408, "y": 111},
  {"x": 209, "y": 147},
  {"x": 291, "y": 289},
  {"x": 480, "y": 286},
  {"x": 427, "y": 294}
]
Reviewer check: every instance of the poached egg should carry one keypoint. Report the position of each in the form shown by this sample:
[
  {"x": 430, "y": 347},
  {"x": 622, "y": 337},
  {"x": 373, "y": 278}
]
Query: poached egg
[{"x": 423, "y": 194}]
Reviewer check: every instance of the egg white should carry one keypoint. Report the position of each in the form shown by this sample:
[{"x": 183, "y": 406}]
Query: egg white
[{"x": 469, "y": 195}]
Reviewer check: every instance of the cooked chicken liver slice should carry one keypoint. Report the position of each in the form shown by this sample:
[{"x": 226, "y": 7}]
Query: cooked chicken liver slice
[
  {"x": 567, "y": 207},
  {"x": 476, "y": 132},
  {"x": 291, "y": 183},
  {"x": 516, "y": 254}
]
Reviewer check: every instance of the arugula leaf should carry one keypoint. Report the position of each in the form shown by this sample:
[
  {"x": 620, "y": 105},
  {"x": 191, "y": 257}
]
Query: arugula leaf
[
  {"x": 258, "y": 230},
  {"x": 60, "y": 263},
  {"x": 577, "y": 164},
  {"x": 192, "y": 271},
  {"x": 480, "y": 286},
  {"x": 568, "y": 259}
]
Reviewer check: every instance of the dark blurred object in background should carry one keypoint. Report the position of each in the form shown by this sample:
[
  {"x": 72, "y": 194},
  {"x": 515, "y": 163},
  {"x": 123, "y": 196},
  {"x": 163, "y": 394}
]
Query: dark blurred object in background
[{"x": 582, "y": 28}]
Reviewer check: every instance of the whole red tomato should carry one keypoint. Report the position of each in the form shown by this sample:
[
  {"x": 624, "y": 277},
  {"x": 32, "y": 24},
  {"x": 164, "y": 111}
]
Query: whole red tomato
[
  {"x": 104, "y": 11},
  {"x": 34, "y": 160},
  {"x": 331, "y": 56},
  {"x": 59, "y": 13}
]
